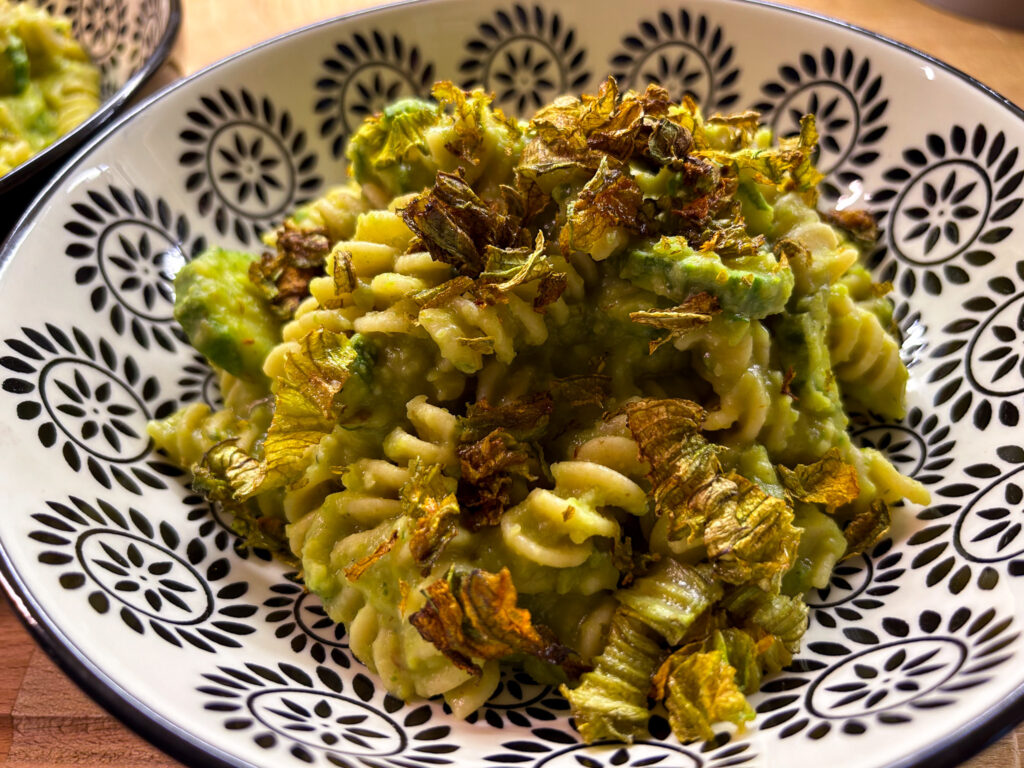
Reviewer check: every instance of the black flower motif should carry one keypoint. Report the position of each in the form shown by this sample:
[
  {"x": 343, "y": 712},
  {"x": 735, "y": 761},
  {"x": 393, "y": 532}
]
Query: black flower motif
[
  {"x": 980, "y": 538},
  {"x": 150, "y": 22},
  {"x": 845, "y": 93},
  {"x": 980, "y": 368},
  {"x": 363, "y": 75},
  {"x": 322, "y": 718},
  {"x": 857, "y": 586},
  {"x": 684, "y": 53},
  {"x": 145, "y": 572},
  {"x": 129, "y": 249},
  {"x": 526, "y": 55},
  {"x": 198, "y": 383},
  {"x": 246, "y": 161},
  {"x": 950, "y": 206},
  {"x": 92, "y": 402},
  {"x": 521, "y": 701},
  {"x": 216, "y": 530},
  {"x": 890, "y": 679},
  {"x": 100, "y": 26},
  {"x": 299, "y": 616},
  {"x": 552, "y": 748},
  {"x": 918, "y": 446}
]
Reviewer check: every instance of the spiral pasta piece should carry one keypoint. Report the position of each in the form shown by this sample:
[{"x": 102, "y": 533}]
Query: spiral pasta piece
[
  {"x": 334, "y": 213},
  {"x": 733, "y": 357},
  {"x": 829, "y": 254},
  {"x": 557, "y": 528},
  {"x": 879, "y": 479},
  {"x": 188, "y": 434},
  {"x": 865, "y": 359}
]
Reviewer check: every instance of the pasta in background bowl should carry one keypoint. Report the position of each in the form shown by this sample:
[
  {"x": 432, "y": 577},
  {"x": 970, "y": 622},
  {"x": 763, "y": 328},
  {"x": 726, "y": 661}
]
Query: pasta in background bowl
[
  {"x": 128, "y": 42},
  {"x": 222, "y": 656}
]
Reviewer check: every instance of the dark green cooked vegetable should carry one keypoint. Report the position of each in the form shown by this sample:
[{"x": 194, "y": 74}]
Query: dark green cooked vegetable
[{"x": 223, "y": 313}]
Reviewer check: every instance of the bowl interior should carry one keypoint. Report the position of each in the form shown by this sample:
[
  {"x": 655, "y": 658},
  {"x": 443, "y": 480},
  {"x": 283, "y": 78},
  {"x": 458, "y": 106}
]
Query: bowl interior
[{"x": 913, "y": 650}]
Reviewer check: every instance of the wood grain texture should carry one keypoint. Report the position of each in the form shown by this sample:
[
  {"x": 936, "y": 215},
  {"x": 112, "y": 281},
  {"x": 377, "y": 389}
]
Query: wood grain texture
[{"x": 44, "y": 719}]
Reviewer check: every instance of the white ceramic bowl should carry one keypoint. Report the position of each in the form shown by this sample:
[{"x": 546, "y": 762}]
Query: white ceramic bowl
[{"x": 914, "y": 655}]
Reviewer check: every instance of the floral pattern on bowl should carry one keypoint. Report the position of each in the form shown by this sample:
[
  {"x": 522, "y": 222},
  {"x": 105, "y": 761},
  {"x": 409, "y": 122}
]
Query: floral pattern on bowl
[{"x": 217, "y": 654}]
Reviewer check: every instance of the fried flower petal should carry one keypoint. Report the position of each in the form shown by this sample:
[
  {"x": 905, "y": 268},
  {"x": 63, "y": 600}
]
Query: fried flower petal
[
  {"x": 283, "y": 276},
  {"x": 496, "y": 452},
  {"x": 610, "y": 200},
  {"x": 440, "y": 622},
  {"x": 472, "y": 113},
  {"x": 489, "y": 468},
  {"x": 671, "y": 597},
  {"x": 509, "y": 268},
  {"x": 799, "y": 151},
  {"x": 306, "y": 406},
  {"x": 355, "y": 571},
  {"x": 859, "y": 224},
  {"x": 635, "y": 121},
  {"x": 525, "y": 418},
  {"x": 393, "y": 144},
  {"x": 749, "y": 536},
  {"x": 223, "y": 468},
  {"x": 699, "y": 690},
  {"x": 741, "y": 652},
  {"x": 567, "y": 122},
  {"x": 444, "y": 293},
  {"x": 453, "y": 223},
  {"x": 490, "y": 603},
  {"x": 782, "y": 616},
  {"x": 789, "y": 166},
  {"x": 732, "y": 239},
  {"x": 772, "y": 653},
  {"x": 632, "y": 562},
  {"x": 551, "y": 288},
  {"x": 611, "y": 700},
  {"x": 558, "y": 153},
  {"x": 744, "y": 123},
  {"x": 829, "y": 481},
  {"x": 428, "y": 498},
  {"x": 669, "y": 144},
  {"x": 476, "y": 616},
  {"x": 696, "y": 312},
  {"x": 682, "y": 461},
  {"x": 611, "y": 123},
  {"x": 867, "y": 528},
  {"x": 573, "y": 136},
  {"x": 342, "y": 273},
  {"x": 576, "y": 392}
]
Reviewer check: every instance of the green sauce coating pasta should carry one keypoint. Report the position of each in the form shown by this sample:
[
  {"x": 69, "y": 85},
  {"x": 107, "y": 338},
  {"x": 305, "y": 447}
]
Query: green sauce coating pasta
[
  {"x": 597, "y": 364},
  {"x": 48, "y": 86}
]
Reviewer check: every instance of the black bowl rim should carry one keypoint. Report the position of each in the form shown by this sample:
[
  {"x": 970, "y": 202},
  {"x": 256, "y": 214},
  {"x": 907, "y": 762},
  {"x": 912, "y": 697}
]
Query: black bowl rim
[
  {"x": 948, "y": 752},
  {"x": 49, "y": 156}
]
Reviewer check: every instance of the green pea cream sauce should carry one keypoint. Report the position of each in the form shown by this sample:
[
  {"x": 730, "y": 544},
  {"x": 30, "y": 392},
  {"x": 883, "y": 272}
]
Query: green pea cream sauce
[{"x": 48, "y": 86}]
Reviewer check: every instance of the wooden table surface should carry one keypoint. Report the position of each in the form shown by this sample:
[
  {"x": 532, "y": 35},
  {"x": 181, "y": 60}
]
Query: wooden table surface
[{"x": 44, "y": 719}]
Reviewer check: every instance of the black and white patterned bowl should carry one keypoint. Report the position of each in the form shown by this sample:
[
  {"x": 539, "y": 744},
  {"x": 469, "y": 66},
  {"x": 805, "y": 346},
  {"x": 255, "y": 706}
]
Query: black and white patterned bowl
[
  {"x": 915, "y": 655},
  {"x": 128, "y": 40}
]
